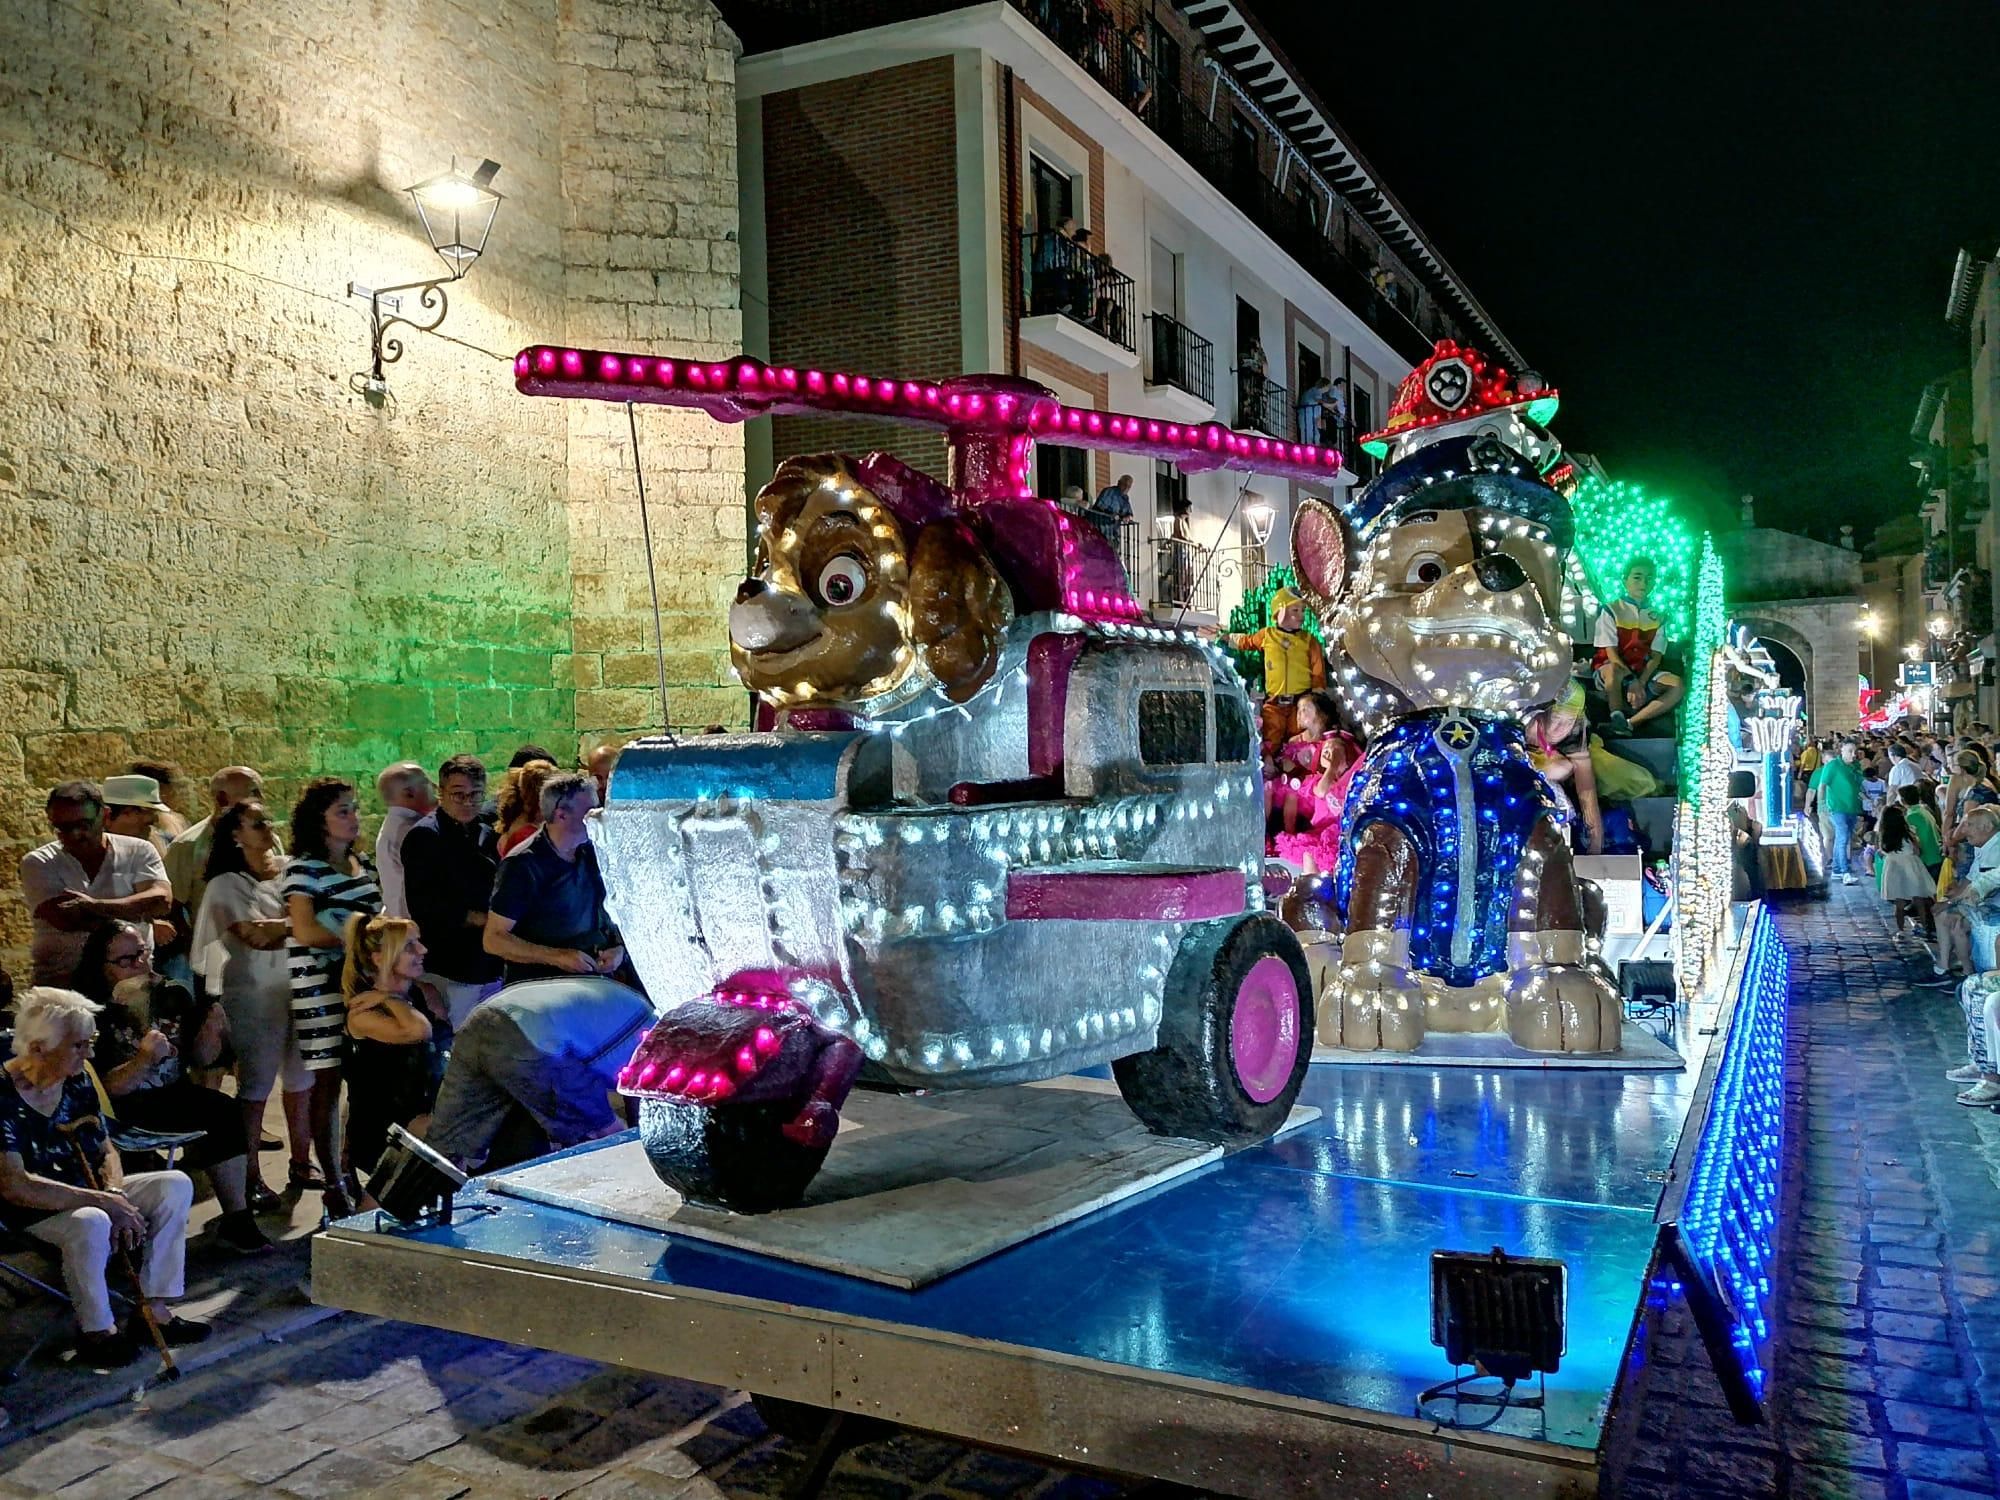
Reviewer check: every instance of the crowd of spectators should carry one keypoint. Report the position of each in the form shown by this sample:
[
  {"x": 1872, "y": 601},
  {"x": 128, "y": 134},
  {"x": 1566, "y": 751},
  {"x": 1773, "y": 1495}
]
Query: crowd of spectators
[
  {"x": 466, "y": 984},
  {"x": 1918, "y": 814}
]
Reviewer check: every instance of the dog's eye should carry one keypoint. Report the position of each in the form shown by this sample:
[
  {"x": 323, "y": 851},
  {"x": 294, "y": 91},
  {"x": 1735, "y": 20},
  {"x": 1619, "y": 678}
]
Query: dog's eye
[
  {"x": 1426, "y": 568},
  {"x": 842, "y": 579}
]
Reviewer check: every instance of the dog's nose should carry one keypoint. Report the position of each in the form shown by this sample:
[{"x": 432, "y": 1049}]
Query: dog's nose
[
  {"x": 750, "y": 588},
  {"x": 1499, "y": 573}
]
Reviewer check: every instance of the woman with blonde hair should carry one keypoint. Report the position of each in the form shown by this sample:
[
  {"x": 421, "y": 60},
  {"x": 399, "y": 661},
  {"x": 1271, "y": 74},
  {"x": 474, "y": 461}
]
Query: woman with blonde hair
[
  {"x": 521, "y": 803},
  {"x": 396, "y": 1035}
]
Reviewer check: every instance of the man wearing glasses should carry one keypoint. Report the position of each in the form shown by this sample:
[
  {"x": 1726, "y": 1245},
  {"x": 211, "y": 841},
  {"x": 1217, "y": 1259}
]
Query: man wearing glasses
[
  {"x": 85, "y": 878},
  {"x": 449, "y": 861}
]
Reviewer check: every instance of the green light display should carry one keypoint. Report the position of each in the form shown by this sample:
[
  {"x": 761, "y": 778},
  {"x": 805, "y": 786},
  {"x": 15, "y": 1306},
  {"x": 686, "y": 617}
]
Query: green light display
[{"x": 1617, "y": 521}]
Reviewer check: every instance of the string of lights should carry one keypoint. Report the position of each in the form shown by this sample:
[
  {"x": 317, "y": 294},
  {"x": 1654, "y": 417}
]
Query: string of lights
[
  {"x": 1730, "y": 1216},
  {"x": 1702, "y": 850}
]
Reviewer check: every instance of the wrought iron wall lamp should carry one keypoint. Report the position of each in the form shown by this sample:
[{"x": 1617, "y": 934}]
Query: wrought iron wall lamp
[{"x": 457, "y": 209}]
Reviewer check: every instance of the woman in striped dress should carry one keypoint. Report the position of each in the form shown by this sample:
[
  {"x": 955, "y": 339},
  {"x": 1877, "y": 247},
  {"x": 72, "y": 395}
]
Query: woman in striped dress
[{"x": 327, "y": 881}]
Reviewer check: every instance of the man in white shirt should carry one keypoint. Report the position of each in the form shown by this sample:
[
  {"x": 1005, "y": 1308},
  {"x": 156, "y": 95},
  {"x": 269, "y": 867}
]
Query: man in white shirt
[
  {"x": 85, "y": 878},
  {"x": 187, "y": 856},
  {"x": 405, "y": 789},
  {"x": 1902, "y": 769}
]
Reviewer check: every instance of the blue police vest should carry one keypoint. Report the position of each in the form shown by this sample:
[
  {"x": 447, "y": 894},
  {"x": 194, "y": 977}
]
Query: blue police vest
[{"x": 1461, "y": 788}]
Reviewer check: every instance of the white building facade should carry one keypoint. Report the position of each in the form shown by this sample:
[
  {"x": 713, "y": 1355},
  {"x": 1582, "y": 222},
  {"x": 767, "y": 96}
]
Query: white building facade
[{"x": 908, "y": 192}]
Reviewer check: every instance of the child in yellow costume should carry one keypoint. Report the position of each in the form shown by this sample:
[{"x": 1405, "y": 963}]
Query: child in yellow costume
[{"x": 1294, "y": 665}]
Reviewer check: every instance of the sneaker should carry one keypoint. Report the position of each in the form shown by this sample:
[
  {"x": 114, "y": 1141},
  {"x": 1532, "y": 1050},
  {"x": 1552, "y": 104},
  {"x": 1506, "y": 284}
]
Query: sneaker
[
  {"x": 1849, "y": 880},
  {"x": 1980, "y": 1095},
  {"x": 240, "y": 1233},
  {"x": 1966, "y": 1074},
  {"x": 110, "y": 1350},
  {"x": 1942, "y": 982}
]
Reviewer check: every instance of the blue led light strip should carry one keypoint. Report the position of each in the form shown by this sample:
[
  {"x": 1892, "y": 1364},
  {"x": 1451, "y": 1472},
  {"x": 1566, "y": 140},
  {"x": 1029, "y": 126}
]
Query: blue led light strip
[{"x": 1729, "y": 1219}]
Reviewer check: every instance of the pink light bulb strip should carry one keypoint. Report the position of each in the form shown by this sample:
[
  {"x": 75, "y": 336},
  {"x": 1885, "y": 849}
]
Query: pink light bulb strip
[
  {"x": 738, "y": 388},
  {"x": 704, "y": 1079}
]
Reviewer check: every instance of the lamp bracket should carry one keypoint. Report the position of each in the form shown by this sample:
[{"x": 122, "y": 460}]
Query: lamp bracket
[{"x": 385, "y": 312}]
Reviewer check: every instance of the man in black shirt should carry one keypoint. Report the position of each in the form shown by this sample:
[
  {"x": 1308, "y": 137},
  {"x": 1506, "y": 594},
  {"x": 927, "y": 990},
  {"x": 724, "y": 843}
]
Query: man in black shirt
[
  {"x": 548, "y": 915},
  {"x": 449, "y": 860}
]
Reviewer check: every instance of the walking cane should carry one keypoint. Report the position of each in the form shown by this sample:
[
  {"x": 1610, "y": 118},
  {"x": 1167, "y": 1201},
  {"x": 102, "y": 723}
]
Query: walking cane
[{"x": 124, "y": 1257}]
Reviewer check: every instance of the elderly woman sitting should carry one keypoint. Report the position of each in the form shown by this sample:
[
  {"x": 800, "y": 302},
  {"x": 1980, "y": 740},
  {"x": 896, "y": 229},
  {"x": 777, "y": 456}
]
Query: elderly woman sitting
[{"x": 52, "y": 1146}]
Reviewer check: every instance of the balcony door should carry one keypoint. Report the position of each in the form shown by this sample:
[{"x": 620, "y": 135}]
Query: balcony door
[
  {"x": 1165, "y": 288},
  {"x": 1054, "y": 194},
  {"x": 1242, "y": 150},
  {"x": 1062, "y": 474},
  {"x": 1165, "y": 50}
]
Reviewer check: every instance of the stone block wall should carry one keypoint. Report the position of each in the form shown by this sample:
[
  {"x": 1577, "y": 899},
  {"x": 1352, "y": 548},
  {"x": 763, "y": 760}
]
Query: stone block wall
[{"x": 214, "y": 548}]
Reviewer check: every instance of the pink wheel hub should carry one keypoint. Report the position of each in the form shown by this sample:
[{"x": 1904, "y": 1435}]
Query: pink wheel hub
[{"x": 1264, "y": 1029}]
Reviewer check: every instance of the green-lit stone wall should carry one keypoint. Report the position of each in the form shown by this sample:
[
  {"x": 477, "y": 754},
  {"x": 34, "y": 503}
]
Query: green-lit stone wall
[{"x": 213, "y": 549}]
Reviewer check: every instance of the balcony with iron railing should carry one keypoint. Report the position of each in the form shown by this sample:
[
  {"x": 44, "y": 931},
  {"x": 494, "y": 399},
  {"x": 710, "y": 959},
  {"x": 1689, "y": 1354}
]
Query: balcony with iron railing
[
  {"x": 1327, "y": 238},
  {"x": 1182, "y": 360},
  {"x": 1120, "y": 530},
  {"x": 1262, "y": 405},
  {"x": 1185, "y": 581},
  {"x": 1060, "y": 279},
  {"x": 1174, "y": 576}
]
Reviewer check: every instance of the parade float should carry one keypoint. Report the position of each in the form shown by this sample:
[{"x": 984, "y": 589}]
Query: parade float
[{"x": 995, "y": 834}]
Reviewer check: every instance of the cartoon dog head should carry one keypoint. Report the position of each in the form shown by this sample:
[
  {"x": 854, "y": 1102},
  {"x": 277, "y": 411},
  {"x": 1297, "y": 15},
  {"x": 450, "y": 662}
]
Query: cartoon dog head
[
  {"x": 865, "y": 585},
  {"x": 1440, "y": 586}
]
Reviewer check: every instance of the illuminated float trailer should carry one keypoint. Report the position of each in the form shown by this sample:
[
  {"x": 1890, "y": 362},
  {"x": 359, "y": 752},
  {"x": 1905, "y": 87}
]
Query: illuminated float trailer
[
  {"x": 1275, "y": 1304},
  {"x": 942, "y": 865}
]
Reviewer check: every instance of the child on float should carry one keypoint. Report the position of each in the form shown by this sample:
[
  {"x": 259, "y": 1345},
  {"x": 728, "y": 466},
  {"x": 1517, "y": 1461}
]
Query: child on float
[
  {"x": 1304, "y": 798},
  {"x": 1642, "y": 683},
  {"x": 1559, "y": 745}
]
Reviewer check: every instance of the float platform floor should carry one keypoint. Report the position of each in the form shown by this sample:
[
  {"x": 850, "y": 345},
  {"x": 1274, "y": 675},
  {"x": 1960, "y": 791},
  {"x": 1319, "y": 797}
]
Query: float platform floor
[{"x": 1279, "y": 1296}]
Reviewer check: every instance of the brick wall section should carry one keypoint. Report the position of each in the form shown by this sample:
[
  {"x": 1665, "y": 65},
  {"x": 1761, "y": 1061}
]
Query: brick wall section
[
  {"x": 214, "y": 549},
  {"x": 862, "y": 228}
]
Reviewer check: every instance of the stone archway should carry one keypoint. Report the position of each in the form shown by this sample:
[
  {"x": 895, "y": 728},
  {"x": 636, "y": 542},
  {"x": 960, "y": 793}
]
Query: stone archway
[{"x": 1813, "y": 631}]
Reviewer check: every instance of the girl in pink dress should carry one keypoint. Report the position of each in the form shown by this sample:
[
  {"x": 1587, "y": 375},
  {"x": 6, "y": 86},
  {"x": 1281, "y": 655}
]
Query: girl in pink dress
[{"x": 1305, "y": 796}]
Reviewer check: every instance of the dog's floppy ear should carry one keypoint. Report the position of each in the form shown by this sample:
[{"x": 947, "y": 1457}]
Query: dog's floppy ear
[
  {"x": 959, "y": 607},
  {"x": 1320, "y": 555}
]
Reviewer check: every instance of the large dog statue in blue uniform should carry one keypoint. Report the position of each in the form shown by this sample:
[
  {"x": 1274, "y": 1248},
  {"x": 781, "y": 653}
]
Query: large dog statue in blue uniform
[{"x": 1440, "y": 589}]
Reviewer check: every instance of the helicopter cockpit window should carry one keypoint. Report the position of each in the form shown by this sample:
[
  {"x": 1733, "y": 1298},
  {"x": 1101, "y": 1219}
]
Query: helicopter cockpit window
[
  {"x": 1173, "y": 727},
  {"x": 1232, "y": 728}
]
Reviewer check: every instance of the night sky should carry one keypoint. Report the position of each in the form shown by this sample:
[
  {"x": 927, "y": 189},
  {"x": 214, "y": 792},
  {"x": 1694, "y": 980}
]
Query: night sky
[{"x": 1726, "y": 233}]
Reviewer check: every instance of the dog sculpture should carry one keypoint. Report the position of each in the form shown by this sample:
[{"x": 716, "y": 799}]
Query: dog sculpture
[
  {"x": 1440, "y": 589},
  {"x": 866, "y": 589}
]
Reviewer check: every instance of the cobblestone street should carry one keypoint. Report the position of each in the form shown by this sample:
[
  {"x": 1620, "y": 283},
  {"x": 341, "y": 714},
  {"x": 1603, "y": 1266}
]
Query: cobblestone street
[
  {"x": 1889, "y": 1366},
  {"x": 1888, "y": 1374}
]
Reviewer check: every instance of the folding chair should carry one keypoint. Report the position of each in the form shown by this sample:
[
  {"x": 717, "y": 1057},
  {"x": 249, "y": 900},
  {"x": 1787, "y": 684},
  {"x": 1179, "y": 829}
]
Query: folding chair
[{"x": 18, "y": 1279}]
